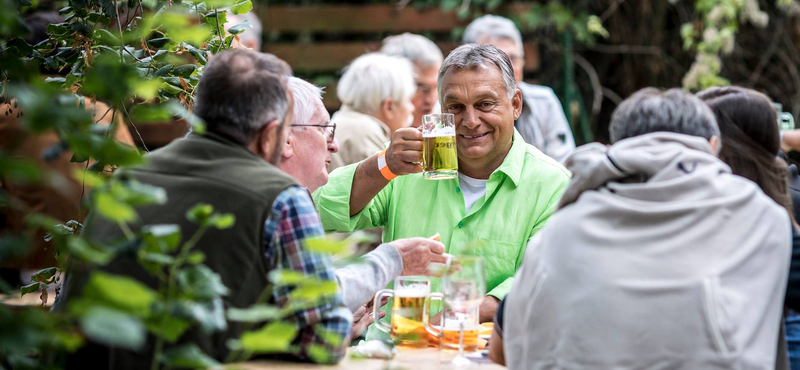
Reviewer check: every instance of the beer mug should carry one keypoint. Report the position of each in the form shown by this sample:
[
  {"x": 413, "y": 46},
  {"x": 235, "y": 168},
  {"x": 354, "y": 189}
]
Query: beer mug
[
  {"x": 439, "y": 156},
  {"x": 454, "y": 323},
  {"x": 408, "y": 298}
]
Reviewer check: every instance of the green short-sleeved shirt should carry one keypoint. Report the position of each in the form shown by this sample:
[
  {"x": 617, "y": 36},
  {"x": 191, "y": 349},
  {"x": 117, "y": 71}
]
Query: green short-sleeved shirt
[{"x": 521, "y": 195}]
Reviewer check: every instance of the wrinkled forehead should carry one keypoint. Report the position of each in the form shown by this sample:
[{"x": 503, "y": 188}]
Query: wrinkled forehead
[{"x": 462, "y": 83}]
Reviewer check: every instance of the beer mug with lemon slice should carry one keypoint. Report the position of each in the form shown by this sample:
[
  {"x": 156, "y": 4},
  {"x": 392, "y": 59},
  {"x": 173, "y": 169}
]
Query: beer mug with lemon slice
[{"x": 408, "y": 298}]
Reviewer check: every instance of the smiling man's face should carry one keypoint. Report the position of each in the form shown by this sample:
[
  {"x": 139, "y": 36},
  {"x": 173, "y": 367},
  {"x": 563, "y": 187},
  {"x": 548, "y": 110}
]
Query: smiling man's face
[{"x": 484, "y": 116}]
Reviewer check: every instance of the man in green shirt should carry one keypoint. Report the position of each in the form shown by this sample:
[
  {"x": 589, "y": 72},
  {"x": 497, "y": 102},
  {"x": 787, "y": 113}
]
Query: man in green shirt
[{"x": 505, "y": 192}]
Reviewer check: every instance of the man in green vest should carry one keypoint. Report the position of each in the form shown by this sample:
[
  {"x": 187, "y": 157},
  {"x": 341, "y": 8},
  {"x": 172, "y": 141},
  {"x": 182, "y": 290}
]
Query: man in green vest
[
  {"x": 244, "y": 99},
  {"x": 504, "y": 194}
]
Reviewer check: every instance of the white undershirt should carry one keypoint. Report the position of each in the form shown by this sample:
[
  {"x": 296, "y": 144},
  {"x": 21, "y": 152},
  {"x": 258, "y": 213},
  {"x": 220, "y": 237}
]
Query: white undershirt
[{"x": 473, "y": 189}]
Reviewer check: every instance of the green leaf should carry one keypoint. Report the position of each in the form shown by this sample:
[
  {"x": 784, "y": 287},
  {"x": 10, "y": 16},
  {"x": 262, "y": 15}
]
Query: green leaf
[
  {"x": 274, "y": 337},
  {"x": 112, "y": 209},
  {"x": 222, "y": 221},
  {"x": 188, "y": 356},
  {"x": 162, "y": 238},
  {"x": 105, "y": 37},
  {"x": 168, "y": 327},
  {"x": 325, "y": 245},
  {"x": 196, "y": 257},
  {"x": 333, "y": 339},
  {"x": 184, "y": 70},
  {"x": 211, "y": 316},
  {"x": 30, "y": 288},
  {"x": 318, "y": 353},
  {"x": 147, "y": 113},
  {"x": 56, "y": 81},
  {"x": 87, "y": 178},
  {"x": 82, "y": 249},
  {"x": 158, "y": 42},
  {"x": 113, "y": 328},
  {"x": 158, "y": 258},
  {"x": 242, "y": 7},
  {"x": 44, "y": 275},
  {"x": 239, "y": 28},
  {"x": 314, "y": 291},
  {"x": 287, "y": 277},
  {"x": 120, "y": 292},
  {"x": 199, "y": 213},
  {"x": 201, "y": 282},
  {"x": 257, "y": 313}
]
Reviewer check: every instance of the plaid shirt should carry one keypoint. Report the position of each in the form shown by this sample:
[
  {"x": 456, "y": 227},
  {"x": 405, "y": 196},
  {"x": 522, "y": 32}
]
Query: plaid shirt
[{"x": 293, "y": 219}]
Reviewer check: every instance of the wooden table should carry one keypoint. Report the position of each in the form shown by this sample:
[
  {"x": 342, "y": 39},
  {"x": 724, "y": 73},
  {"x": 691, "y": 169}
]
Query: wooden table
[{"x": 408, "y": 359}]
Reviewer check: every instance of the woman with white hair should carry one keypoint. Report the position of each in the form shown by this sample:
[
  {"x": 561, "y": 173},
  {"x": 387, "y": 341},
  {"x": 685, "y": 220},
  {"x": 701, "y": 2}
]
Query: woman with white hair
[{"x": 375, "y": 92}]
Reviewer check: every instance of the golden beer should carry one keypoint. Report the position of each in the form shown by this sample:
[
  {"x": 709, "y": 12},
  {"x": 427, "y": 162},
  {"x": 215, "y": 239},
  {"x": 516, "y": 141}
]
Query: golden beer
[
  {"x": 439, "y": 159},
  {"x": 407, "y": 327},
  {"x": 450, "y": 338}
]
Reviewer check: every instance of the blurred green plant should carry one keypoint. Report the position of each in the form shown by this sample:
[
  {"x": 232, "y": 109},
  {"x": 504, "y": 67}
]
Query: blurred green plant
[{"x": 144, "y": 59}]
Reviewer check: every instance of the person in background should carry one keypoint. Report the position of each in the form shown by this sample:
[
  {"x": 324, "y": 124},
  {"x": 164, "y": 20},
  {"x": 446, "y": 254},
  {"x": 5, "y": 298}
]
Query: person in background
[
  {"x": 427, "y": 59},
  {"x": 750, "y": 131},
  {"x": 542, "y": 122},
  {"x": 658, "y": 256},
  {"x": 250, "y": 38},
  {"x": 375, "y": 92},
  {"x": 247, "y": 106},
  {"x": 306, "y": 156},
  {"x": 505, "y": 192}
]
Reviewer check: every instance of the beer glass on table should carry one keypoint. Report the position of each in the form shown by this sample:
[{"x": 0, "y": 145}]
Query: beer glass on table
[
  {"x": 463, "y": 289},
  {"x": 439, "y": 156},
  {"x": 408, "y": 298}
]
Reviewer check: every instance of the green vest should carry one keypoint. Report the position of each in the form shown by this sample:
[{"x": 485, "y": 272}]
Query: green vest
[{"x": 207, "y": 169}]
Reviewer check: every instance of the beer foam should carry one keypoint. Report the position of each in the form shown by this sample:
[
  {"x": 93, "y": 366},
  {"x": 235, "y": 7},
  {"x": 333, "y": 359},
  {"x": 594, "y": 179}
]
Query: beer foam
[
  {"x": 441, "y": 131},
  {"x": 412, "y": 291}
]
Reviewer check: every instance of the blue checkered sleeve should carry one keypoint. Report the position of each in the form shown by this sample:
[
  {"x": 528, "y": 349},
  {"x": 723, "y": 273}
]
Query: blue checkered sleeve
[{"x": 324, "y": 329}]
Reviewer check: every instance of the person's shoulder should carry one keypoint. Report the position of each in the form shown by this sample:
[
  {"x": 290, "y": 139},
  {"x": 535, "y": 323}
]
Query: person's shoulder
[{"x": 536, "y": 91}]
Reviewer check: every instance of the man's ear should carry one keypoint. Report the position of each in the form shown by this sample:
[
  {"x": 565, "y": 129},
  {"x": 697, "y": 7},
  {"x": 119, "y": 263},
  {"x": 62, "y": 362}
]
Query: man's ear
[
  {"x": 265, "y": 139},
  {"x": 288, "y": 149},
  {"x": 516, "y": 103},
  {"x": 388, "y": 108}
]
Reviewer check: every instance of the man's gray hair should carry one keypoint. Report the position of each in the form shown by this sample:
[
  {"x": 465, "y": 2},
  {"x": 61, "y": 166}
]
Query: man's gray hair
[
  {"x": 307, "y": 98},
  {"x": 250, "y": 34},
  {"x": 492, "y": 27},
  {"x": 418, "y": 49},
  {"x": 651, "y": 110},
  {"x": 240, "y": 92},
  {"x": 470, "y": 56},
  {"x": 373, "y": 78}
]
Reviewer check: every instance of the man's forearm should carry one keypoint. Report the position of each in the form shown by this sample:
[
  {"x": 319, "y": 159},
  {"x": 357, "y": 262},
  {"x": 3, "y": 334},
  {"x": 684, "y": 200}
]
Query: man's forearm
[
  {"x": 360, "y": 280},
  {"x": 488, "y": 308},
  {"x": 367, "y": 183}
]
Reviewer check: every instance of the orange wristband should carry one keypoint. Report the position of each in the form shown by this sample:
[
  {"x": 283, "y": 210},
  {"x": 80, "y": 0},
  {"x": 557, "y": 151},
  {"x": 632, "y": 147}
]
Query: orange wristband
[{"x": 384, "y": 168}]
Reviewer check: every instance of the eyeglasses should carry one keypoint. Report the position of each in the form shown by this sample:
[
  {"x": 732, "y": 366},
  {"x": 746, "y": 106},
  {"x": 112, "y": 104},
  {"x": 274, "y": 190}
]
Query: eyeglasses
[{"x": 328, "y": 133}]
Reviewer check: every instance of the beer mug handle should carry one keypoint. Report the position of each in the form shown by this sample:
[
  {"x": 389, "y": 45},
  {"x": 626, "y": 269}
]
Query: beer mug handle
[
  {"x": 376, "y": 309},
  {"x": 426, "y": 313}
]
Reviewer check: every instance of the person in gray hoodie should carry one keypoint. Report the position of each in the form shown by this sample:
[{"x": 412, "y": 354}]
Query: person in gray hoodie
[{"x": 658, "y": 256}]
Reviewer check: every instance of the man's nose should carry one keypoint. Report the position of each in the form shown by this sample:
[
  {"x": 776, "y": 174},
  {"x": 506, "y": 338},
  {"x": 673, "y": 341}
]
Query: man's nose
[
  {"x": 333, "y": 146},
  {"x": 470, "y": 118}
]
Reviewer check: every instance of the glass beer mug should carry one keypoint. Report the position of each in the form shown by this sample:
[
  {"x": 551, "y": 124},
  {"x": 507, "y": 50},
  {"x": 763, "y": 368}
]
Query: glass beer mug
[
  {"x": 439, "y": 156},
  {"x": 408, "y": 298}
]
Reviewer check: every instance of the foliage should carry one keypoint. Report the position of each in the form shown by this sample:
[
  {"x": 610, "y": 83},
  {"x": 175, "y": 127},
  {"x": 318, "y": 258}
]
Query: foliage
[{"x": 143, "y": 59}]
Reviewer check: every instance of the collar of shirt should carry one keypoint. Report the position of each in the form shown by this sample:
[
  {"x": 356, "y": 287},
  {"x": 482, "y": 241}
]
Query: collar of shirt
[{"x": 514, "y": 160}]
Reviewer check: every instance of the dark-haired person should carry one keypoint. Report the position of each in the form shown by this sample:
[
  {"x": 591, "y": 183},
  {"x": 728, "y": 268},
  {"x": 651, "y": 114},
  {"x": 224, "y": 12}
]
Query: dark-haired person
[
  {"x": 749, "y": 128},
  {"x": 658, "y": 257},
  {"x": 244, "y": 99}
]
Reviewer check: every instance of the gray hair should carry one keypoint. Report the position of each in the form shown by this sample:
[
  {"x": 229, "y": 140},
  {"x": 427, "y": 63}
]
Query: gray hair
[
  {"x": 473, "y": 55},
  {"x": 373, "y": 78},
  {"x": 651, "y": 110},
  {"x": 250, "y": 34},
  {"x": 492, "y": 27},
  {"x": 418, "y": 49},
  {"x": 307, "y": 96},
  {"x": 240, "y": 92}
]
